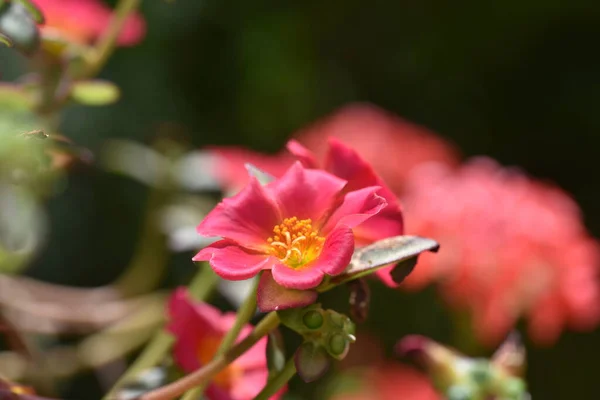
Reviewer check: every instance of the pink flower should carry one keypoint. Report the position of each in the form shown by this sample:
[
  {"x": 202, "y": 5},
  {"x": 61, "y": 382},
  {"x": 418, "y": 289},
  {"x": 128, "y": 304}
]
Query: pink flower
[
  {"x": 198, "y": 329},
  {"x": 510, "y": 247},
  {"x": 83, "y": 21},
  {"x": 390, "y": 144},
  {"x": 390, "y": 381},
  {"x": 345, "y": 163},
  {"x": 298, "y": 227}
]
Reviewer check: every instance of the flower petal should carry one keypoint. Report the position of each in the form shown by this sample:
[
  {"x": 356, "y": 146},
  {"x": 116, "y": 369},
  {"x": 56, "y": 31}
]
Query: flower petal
[
  {"x": 357, "y": 206},
  {"x": 302, "y": 278},
  {"x": 190, "y": 323},
  {"x": 337, "y": 251},
  {"x": 346, "y": 163},
  {"x": 273, "y": 297},
  {"x": 386, "y": 223},
  {"x": 246, "y": 218},
  {"x": 304, "y": 155},
  {"x": 306, "y": 193},
  {"x": 230, "y": 261}
]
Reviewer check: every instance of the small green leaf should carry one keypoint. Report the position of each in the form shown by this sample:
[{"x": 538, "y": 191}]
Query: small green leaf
[
  {"x": 275, "y": 352},
  {"x": 35, "y": 13},
  {"x": 312, "y": 362},
  {"x": 95, "y": 92},
  {"x": 5, "y": 41},
  {"x": 368, "y": 259}
]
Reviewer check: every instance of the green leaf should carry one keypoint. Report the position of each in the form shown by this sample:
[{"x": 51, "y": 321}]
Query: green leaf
[
  {"x": 5, "y": 41},
  {"x": 35, "y": 13},
  {"x": 275, "y": 352},
  {"x": 368, "y": 259},
  {"x": 14, "y": 98},
  {"x": 95, "y": 92}
]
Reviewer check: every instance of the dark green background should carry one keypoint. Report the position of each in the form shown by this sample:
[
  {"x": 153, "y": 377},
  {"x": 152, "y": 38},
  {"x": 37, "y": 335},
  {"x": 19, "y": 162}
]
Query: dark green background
[{"x": 517, "y": 80}]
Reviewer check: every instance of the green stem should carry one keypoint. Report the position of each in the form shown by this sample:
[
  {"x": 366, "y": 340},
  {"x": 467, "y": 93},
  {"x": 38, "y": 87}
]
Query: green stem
[
  {"x": 148, "y": 263},
  {"x": 107, "y": 42},
  {"x": 204, "y": 283},
  {"x": 159, "y": 346},
  {"x": 244, "y": 314},
  {"x": 278, "y": 381},
  {"x": 208, "y": 371}
]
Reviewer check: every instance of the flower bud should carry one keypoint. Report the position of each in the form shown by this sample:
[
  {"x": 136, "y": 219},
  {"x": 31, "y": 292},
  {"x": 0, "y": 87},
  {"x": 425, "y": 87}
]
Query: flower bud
[{"x": 313, "y": 319}]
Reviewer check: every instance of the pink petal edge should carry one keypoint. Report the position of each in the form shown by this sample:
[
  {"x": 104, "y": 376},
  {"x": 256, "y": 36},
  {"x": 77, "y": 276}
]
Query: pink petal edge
[
  {"x": 232, "y": 262},
  {"x": 247, "y": 218}
]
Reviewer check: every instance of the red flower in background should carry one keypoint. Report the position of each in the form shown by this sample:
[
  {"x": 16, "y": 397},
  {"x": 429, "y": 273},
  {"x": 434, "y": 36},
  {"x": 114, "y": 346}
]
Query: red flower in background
[
  {"x": 390, "y": 144},
  {"x": 390, "y": 382},
  {"x": 83, "y": 21},
  {"x": 510, "y": 247},
  {"x": 198, "y": 329}
]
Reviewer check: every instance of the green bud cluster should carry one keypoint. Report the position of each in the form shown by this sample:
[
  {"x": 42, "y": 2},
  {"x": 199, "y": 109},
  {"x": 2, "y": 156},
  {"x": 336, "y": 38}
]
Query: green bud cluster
[{"x": 327, "y": 335}]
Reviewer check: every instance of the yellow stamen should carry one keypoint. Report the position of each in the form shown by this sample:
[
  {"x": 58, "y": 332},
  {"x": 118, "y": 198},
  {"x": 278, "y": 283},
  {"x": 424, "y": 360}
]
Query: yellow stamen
[{"x": 295, "y": 242}]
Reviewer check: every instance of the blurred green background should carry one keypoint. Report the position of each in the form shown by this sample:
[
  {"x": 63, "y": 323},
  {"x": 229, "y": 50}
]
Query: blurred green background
[{"x": 517, "y": 80}]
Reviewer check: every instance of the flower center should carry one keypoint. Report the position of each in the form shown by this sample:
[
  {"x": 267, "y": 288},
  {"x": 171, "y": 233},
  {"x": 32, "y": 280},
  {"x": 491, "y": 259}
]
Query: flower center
[{"x": 295, "y": 242}]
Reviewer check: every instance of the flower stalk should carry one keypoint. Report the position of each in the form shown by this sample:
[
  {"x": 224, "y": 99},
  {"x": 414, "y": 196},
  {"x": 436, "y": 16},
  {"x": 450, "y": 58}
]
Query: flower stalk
[
  {"x": 278, "y": 381},
  {"x": 108, "y": 41}
]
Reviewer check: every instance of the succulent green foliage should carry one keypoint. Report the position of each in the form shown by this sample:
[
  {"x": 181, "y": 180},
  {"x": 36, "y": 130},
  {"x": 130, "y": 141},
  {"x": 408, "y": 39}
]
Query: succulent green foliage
[
  {"x": 327, "y": 335},
  {"x": 18, "y": 24},
  {"x": 95, "y": 92}
]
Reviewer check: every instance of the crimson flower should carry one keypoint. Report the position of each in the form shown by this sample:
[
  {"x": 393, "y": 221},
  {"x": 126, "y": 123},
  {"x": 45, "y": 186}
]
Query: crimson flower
[
  {"x": 198, "y": 329},
  {"x": 299, "y": 227},
  {"x": 510, "y": 247},
  {"x": 392, "y": 146},
  {"x": 345, "y": 163},
  {"x": 82, "y": 21}
]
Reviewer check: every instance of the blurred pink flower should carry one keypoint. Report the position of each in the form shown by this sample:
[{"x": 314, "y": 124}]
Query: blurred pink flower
[
  {"x": 298, "y": 226},
  {"x": 390, "y": 144},
  {"x": 390, "y": 381},
  {"x": 83, "y": 21},
  {"x": 510, "y": 247},
  {"x": 198, "y": 329}
]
